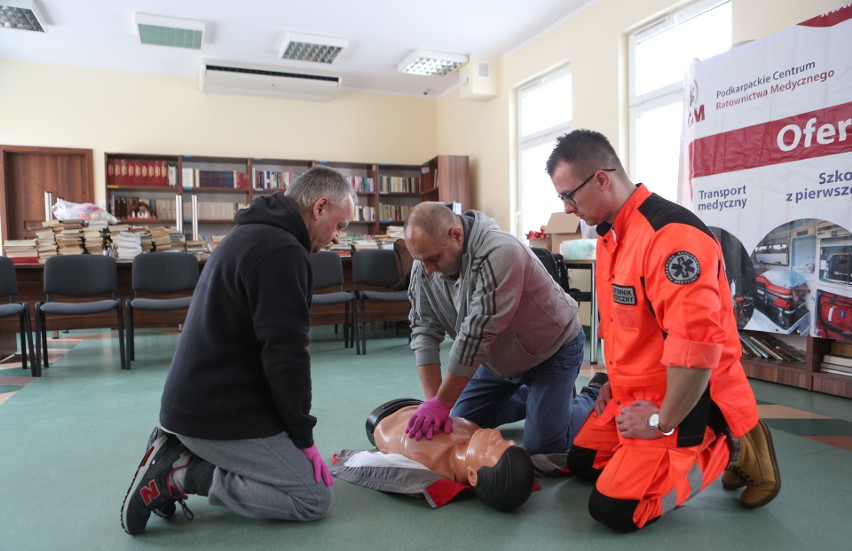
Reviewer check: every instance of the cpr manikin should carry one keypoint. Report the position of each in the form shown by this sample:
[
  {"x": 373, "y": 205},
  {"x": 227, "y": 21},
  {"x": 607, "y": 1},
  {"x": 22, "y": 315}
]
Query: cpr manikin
[{"x": 500, "y": 472}]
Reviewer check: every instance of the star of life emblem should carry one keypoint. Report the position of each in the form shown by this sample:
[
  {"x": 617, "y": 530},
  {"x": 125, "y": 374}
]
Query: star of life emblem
[{"x": 682, "y": 268}]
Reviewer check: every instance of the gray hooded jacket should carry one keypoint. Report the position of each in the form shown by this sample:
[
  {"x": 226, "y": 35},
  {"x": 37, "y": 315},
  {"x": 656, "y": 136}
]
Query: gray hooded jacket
[{"x": 504, "y": 310}]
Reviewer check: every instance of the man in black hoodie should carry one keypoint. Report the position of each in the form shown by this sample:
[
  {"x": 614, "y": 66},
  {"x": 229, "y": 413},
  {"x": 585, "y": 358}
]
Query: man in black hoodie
[{"x": 235, "y": 413}]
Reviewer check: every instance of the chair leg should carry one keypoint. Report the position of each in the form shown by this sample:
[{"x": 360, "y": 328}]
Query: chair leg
[
  {"x": 131, "y": 337},
  {"x": 45, "y": 363},
  {"x": 23, "y": 341},
  {"x": 345, "y": 325},
  {"x": 356, "y": 325},
  {"x": 363, "y": 327},
  {"x": 124, "y": 363},
  {"x": 35, "y": 368}
]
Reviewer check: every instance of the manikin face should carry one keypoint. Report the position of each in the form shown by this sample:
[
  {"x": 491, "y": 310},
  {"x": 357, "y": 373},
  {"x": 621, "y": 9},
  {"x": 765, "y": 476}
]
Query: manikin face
[
  {"x": 485, "y": 449},
  {"x": 437, "y": 255},
  {"x": 327, "y": 221}
]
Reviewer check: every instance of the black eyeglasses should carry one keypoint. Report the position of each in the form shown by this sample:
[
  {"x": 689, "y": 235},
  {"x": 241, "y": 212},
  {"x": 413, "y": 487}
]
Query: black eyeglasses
[{"x": 569, "y": 197}]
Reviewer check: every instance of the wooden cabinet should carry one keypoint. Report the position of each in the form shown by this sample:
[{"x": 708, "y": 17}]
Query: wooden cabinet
[
  {"x": 446, "y": 178},
  {"x": 26, "y": 173}
]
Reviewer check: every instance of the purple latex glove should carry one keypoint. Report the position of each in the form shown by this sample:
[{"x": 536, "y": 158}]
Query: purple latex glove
[
  {"x": 320, "y": 468},
  {"x": 430, "y": 417}
]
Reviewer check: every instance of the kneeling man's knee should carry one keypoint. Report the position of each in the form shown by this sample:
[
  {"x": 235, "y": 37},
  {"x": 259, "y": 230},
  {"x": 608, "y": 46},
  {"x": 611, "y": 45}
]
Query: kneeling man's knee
[{"x": 614, "y": 513}]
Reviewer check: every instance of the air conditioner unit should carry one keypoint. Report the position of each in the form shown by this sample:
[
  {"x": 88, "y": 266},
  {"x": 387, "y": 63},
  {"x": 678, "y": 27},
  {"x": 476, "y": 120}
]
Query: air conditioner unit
[{"x": 270, "y": 82}]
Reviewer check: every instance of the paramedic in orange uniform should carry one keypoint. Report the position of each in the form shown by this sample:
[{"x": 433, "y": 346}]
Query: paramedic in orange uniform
[{"x": 678, "y": 410}]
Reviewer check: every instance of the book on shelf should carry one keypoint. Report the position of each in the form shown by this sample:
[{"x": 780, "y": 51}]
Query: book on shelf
[
  {"x": 767, "y": 347},
  {"x": 837, "y": 359},
  {"x": 835, "y": 369}
]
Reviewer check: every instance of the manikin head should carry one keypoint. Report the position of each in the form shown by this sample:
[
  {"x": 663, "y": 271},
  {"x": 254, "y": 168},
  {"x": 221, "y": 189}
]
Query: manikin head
[{"x": 501, "y": 474}]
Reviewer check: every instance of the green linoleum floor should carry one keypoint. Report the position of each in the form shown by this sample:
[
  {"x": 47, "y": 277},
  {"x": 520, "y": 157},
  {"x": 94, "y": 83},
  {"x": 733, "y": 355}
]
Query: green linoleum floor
[{"x": 70, "y": 442}]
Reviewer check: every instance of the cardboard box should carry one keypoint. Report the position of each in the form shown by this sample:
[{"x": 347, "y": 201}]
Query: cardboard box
[
  {"x": 543, "y": 242},
  {"x": 562, "y": 227}
]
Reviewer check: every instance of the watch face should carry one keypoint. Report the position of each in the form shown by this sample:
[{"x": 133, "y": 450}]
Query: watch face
[{"x": 654, "y": 420}]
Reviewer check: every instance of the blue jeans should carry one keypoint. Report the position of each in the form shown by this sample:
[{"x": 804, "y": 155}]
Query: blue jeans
[{"x": 545, "y": 396}]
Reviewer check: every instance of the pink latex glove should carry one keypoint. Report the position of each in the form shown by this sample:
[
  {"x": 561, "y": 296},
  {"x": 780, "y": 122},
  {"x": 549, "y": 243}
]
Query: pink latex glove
[
  {"x": 430, "y": 417},
  {"x": 320, "y": 468}
]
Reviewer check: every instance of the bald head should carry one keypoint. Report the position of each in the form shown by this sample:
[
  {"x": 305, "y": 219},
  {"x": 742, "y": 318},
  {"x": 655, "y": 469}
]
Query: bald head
[
  {"x": 434, "y": 235},
  {"x": 431, "y": 218}
]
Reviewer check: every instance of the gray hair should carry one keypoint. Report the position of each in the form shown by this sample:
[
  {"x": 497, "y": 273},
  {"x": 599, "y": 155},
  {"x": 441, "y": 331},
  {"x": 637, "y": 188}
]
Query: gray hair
[{"x": 321, "y": 181}]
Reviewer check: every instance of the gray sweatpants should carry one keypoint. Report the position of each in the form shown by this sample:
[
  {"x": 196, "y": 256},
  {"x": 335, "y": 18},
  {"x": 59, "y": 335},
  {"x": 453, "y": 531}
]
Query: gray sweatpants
[{"x": 263, "y": 478}]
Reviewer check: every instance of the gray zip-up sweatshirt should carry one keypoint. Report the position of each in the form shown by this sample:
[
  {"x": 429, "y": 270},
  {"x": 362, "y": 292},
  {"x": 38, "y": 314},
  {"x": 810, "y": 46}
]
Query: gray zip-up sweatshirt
[{"x": 509, "y": 314}]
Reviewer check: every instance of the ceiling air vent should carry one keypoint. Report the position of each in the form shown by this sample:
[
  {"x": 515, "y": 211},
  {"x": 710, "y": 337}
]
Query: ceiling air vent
[{"x": 271, "y": 82}]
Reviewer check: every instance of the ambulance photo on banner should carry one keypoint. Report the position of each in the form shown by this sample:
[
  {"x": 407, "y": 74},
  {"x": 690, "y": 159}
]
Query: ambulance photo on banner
[{"x": 768, "y": 167}]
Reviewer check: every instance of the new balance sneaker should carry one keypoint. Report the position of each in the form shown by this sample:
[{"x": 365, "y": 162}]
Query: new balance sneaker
[
  {"x": 168, "y": 510},
  {"x": 153, "y": 487},
  {"x": 756, "y": 467}
]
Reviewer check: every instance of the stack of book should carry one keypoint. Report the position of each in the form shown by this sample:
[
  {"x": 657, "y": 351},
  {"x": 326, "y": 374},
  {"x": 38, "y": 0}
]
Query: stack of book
[
  {"x": 21, "y": 251},
  {"x": 836, "y": 364},
  {"x": 45, "y": 242},
  {"x": 69, "y": 236},
  {"x": 766, "y": 347},
  {"x": 177, "y": 240},
  {"x": 128, "y": 244},
  {"x": 197, "y": 247},
  {"x": 160, "y": 238},
  {"x": 93, "y": 236}
]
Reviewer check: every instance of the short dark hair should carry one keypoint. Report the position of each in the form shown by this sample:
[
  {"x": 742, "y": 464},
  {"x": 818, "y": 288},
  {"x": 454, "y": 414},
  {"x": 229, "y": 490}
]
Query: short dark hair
[
  {"x": 508, "y": 484},
  {"x": 586, "y": 150}
]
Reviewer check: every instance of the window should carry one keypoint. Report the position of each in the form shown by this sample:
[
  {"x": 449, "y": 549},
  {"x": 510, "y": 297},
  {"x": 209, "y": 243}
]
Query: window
[
  {"x": 659, "y": 56},
  {"x": 544, "y": 114}
]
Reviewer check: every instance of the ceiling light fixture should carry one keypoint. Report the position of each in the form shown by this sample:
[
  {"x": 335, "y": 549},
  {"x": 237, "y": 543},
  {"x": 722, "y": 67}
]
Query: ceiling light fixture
[
  {"x": 429, "y": 63},
  {"x": 169, "y": 31},
  {"x": 311, "y": 47},
  {"x": 23, "y": 15}
]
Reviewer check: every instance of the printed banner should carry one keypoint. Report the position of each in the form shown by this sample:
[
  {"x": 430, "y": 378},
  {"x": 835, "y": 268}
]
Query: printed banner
[{"x": 768, "y": 166}]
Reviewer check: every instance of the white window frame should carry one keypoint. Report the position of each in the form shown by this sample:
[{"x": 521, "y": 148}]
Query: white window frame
[
  {"x": 536, "y": 139},
  {"x": 666, "y": 95}
]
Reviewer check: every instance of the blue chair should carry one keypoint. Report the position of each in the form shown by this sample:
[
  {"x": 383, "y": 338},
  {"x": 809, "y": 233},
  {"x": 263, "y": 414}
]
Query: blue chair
[
  {"x": 374, "y": 269},
  {"x": 9, "y": 287},
  {"x": 160, "y": 274},
  {"x": 328, "y": 273},
  {"x": 78, "y": 276}
]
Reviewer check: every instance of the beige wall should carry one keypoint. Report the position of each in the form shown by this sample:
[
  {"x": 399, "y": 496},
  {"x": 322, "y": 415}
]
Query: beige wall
[
  {"x": 108, "y": 111},
  {"x": 112, "y": 111},
  {"x": 594, "y": 43}
]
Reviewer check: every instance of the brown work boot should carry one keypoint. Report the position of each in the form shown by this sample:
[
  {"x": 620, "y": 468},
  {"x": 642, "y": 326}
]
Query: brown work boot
[
  {"x": 756, "y": 468},
  {"x": 732, "y": 481}
]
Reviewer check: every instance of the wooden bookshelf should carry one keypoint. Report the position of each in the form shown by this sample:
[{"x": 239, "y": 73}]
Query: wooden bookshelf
[
  {"x": 158, "y": 179},
  {"x": 806, "y": 374}
]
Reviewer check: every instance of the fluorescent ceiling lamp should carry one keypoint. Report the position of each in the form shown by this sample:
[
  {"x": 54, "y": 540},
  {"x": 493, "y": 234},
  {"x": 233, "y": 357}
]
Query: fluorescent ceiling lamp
[
  {"x": 426, "y": 62},
  {"x": 311, "y": 47},
  {"x": 22, "y": 15},
  {"x": 169, "y": 31}
]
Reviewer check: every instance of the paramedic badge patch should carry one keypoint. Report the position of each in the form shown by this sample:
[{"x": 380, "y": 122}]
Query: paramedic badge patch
[{"x": 682, "y": 268}]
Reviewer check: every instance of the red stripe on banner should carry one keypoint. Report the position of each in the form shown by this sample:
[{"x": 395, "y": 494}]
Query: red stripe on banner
[
  {"x": 805, "y": 136},
  {"x": 831, "y": 18}
]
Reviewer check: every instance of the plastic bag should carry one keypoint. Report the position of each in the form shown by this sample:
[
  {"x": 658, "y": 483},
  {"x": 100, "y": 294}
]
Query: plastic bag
[{"x": 66, "y": 210}]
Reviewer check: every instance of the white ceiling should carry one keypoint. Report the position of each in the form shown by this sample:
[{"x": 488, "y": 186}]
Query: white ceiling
[{"x": 103, "y": 34}]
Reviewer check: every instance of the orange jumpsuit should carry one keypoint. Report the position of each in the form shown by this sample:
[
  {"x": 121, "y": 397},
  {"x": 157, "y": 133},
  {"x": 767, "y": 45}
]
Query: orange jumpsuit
[{"x": 664, "y": 301}]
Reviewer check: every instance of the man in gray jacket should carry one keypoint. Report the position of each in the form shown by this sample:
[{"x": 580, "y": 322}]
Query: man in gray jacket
[{"x": 518, "y": 343}]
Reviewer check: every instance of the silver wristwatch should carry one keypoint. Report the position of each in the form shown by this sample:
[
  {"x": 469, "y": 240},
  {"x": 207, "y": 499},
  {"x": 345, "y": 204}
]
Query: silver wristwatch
[{"x": 654, "y": 423}]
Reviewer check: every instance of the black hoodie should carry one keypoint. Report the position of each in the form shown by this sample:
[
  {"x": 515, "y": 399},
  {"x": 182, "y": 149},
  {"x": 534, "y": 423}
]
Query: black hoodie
[{"x": 242, "y": 367}]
